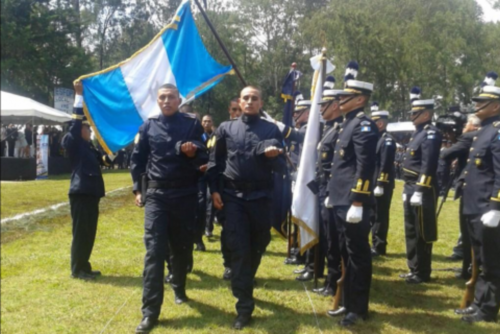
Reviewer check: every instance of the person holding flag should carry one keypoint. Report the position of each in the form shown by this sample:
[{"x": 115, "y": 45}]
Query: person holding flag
[{"x": 350, "y": 194}]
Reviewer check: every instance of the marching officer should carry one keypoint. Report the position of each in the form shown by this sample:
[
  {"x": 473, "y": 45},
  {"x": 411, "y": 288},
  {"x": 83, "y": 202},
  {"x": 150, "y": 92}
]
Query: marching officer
[
  {"x": 460, "y": 152},
  {"x": 169, "y": 151},
  {"x": 481, "y": 197},
  {"x": 247, "y": 152},
  {"x": 350, "y": 196},
  {"x": 420, "y": 196},
  {"x": 86, "y": 188},
  {"x": 384, "y": 179}
]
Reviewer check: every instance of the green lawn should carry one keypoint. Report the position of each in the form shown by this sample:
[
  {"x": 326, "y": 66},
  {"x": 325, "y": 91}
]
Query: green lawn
[
  {"x": 39, "y": 297},
  {"x": 24, "y": 196}
]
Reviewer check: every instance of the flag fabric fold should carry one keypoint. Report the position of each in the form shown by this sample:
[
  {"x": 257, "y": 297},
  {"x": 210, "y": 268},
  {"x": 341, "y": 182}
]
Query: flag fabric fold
[
  {"x": 119, "y": 99},
  {"x": 305, "y": 208}
]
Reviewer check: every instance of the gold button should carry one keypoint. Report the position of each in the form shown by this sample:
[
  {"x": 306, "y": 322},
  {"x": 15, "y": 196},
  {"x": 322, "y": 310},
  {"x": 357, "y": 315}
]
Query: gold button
[
  {"x": 468, "y": 160},
  {"x": 334, "y": 151},
  {"x": 471, "y": 149},
  {"x": 338, "y": 140},
  {"x": 465, "y": 184},
  {"x": 466, "y": 172}
]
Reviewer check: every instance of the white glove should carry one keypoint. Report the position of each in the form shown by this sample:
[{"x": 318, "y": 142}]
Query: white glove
[
  {"x": 112, "y": 157},
  {"x": 378, "y": 191},
  {"x": 403, "y": 197},
  {"x": 491, "y": 218},
  {"x": 268, "y": 118},
  {"x": 327, "y": 203},
  {"x": 416, "y": 199},
  {"x": 78, "y": 101},
  {"x": 355, "y": 214}
]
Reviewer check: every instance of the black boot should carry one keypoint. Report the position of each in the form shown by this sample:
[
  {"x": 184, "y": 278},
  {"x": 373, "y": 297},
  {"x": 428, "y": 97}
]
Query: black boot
[{"x": 146, "y": 325}]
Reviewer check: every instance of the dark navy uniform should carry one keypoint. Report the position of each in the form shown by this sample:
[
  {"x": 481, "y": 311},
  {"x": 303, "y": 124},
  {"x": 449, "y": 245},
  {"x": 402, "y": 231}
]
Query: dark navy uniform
[
  {"x": 239, "y": 171},
  {"x": 460, "y": 152},
  {"x": 352, "y": 174},
  {"x": 328, "y": 230},
  {"x": 171, "y": 200},
  {"x": 85, "y": 192},
  {"x": 419, "y": 171},
  {"x": 295, "y": 137},
  {"x": 384, "y": 177},
  {"x": 481, "y": 194}
]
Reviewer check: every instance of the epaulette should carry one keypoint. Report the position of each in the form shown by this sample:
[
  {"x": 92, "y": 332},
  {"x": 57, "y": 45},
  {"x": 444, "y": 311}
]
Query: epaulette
[
  {"x": 427, "y": 126},
  {"x": 360, "y": 114}
]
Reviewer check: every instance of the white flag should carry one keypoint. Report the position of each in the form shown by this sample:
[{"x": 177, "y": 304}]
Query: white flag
[{"x": 305, "y": 208}]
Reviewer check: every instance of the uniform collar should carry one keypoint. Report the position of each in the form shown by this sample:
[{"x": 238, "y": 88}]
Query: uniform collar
[
  {"x": 350, "y": 115},
  {"x": 168, "y": 119},
  {"x": 421, "y": 126},
  {"x": 490, "y": 120},
  {"x": 250, "y": 118}
]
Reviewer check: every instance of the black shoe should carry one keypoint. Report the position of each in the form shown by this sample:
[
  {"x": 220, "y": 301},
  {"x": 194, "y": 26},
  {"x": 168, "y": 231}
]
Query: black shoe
[
  {"x": 405, "y": 276},
  {"x": 307, "y": 276},
  {"x": 95, "y": 273},
  {"x": 200, "y": 247},
  {"x": 208, "y": 234},
  {"x": 299, "y": 271},
  {"x": 417, "y": 280},
  {"x": 470, "y": 319},
  {"x": 352, "y": 319},
  {"x": 83, "y": 276},
  {"x": 319, "y": 290},
  {"x": 335, "y": 313},
  {"x": 466, "y": 311},
  {"x": 181, "y": 298},
  {"x": 146, "y": 325},
  {"x": 168, "y": 279},
  {"x": 455, "y": 257},
  {"x": 241, "y": 321},
  {"x": 328, "y": 292},
  {"x": 374, "y": 253},
  {"x": 293, "y": 261},
  {"x": 227, "y": 274}
]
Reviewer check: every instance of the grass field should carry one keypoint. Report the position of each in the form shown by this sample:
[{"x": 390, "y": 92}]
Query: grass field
[{"x": 39, "y": 297}]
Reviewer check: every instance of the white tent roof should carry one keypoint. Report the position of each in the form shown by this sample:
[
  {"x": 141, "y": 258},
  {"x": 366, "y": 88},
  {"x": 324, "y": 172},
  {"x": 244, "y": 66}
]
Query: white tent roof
[
  {"x": 19, "y": 110},
  {"x": 400, "y": 127}
]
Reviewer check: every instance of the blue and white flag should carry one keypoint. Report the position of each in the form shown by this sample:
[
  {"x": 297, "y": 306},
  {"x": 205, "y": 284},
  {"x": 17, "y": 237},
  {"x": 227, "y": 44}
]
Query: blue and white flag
[{"x": 119, "y": 99}]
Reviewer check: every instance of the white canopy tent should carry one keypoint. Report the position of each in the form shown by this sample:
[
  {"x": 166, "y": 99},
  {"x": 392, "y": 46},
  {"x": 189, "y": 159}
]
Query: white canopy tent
[{"x": 20, "y": 110}]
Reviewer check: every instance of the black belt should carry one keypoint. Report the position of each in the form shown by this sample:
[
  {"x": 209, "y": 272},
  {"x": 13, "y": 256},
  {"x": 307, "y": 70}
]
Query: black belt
[
  {"x": 155, "y": 184},
  {"x": 248, "y": 186}
]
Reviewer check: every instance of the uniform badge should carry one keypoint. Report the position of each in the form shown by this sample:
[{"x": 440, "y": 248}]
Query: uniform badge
[
  {"x": 341, "y": 152},
  {"x": 412, "y": 152},
  {"x": 366, "y": 128},
  {"x": 478, "y": 162},
  {"x": 292, "y": 148},
  {"x": 430, "y": 136},
  {"x": 324, "y": 155}
]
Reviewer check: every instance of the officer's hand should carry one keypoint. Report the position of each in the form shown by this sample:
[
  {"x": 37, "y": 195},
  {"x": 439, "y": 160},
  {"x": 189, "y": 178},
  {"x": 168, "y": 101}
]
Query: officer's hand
[
  {"x": 379, "y": 191},
  {"x": 355, "y": 214},
  {"x": 491, "y": 218},
  {"x": 203, "y": 168},
  {"x": 189, "y": 149},
  {"x": 416, "y": 199},
  {"x": 217, "y": 200},
  {"x": 327, "y": 203},
  {"x": 78, "y": 87},
  {"x": 138, "y": 199},
  {"x": 272, "y": 152}
]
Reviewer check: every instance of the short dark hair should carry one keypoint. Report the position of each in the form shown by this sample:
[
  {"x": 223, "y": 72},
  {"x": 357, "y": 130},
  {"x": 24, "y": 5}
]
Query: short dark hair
[
  {"x": 207, "y": 115},
  {"x": 255, "y": 88},
  {"x": 235, "y": 100},
  {"x": 169, "y": 86}
]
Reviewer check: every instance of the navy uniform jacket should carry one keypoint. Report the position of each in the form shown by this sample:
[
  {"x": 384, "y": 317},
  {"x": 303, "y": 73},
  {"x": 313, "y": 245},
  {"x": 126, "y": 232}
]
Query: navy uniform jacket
[
  {"x": 239, "y": 157},
  {"x": 482, "y": 173},
  {"x": 459, "y": 151},
  {"x": 86, "y": 160},
  {"x": 386, "y": 154},
  {"x": 158, "y": 152},
  {"x": 420, "y": 160},
  {"x": 326, "y": 147},
  {"x": 296, "y": 138},
  {"x": 353, "y": 164}
]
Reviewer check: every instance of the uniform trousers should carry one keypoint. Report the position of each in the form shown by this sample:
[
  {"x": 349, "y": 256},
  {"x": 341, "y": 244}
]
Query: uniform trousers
[
  {"x": 418, "y": 250},
  {"x": 465, "y": 241},
  {"x": 226, "y": 254},
  {"x": 355, "y": 251},
  {"x": 84, "y": 213},
  {"x": 486, "y": 243},
  {"x": 170, "y": 224},
  {"x": 380, "y": 228},
  {"x": 248, "y": 232}
]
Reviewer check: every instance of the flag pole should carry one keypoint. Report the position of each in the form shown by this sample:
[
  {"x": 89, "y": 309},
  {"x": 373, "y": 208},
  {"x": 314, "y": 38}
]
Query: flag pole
[
  {"x": 221, "y": 44},
  {"x": 289, "y": 211},
  {"x": 319, "y": 85}
]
